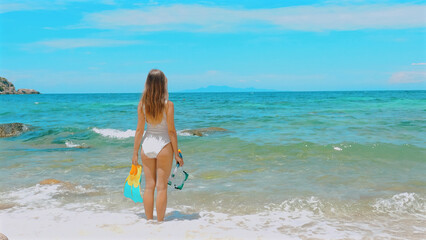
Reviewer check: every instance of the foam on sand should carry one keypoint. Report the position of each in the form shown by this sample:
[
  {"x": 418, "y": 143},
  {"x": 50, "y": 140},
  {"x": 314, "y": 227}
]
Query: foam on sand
[{"x": 48, "y": 217}]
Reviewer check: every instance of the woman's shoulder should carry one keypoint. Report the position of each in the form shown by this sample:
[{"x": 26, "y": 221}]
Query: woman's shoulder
[
  {"x": 140, "y": 106},
  {"x": 168, "y": 104}
]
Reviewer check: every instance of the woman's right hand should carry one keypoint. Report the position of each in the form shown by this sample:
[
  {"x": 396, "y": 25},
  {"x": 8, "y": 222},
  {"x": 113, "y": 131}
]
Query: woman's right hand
[
  {"x": 179, "y": 160},
  {"x": 135, "y": 160}
]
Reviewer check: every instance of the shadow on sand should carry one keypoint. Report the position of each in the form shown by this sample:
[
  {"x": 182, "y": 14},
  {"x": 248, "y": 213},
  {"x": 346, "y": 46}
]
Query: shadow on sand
[{"x": 175, "y": 215}]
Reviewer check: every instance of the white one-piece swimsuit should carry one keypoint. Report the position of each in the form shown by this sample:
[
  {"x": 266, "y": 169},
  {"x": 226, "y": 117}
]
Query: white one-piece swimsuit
[{"x": 155, "y": 138}]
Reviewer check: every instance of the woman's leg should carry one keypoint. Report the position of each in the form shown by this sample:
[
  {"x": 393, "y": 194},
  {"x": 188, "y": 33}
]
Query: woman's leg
[
  {"x": 149, "y": 169},
  {"x": 164, "y": 166}
]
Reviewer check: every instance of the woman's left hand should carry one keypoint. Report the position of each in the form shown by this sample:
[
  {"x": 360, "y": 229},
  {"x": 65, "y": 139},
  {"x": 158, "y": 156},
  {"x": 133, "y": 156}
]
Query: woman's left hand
[{"x": 179, "y": 160}]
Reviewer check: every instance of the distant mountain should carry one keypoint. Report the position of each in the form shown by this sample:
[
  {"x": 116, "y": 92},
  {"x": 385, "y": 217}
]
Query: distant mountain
[{"x": 227, "y": 89}]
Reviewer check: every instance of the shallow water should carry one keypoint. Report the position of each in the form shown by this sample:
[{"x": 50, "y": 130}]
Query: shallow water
[{"x": 292, "y": 164}]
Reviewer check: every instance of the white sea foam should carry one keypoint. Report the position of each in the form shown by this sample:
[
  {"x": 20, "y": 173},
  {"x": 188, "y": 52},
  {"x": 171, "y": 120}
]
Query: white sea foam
[
  {"x": 33, "y": 196},
  {"x": 70, "y": 144},
  {"x": 41, "y": 196},
  {"x": 182, "y": 133},
  {"x": 337, "y": 149},
  {"x": 80, "y": 221},
  {"x": 401, "y": 203},
  {"x": 118, "y": 134},
  {"x": 114, "y": 133},
  {"x": 89, "y": 224},
  {"x": 46, "y": 216}
]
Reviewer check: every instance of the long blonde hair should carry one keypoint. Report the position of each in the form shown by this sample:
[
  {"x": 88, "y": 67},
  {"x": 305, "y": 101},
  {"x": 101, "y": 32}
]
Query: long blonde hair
[{"x": 154, "y": 95}]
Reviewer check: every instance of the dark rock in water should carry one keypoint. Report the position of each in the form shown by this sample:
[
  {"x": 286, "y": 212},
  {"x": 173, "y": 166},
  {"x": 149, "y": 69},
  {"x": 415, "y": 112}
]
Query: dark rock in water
[
  {"x": 71, "y": 187},
  {"x": 12, "y": 129},
  {"x": 7, "y": 87},
  {"x": 213, "y": 129},
  {"x": 27, "y": 91},
  {"x": 193, "y": 132},
  {"x": 50, "y": 181},
  {"x": 200, "y": 131},
  {"x": 82, "y": 147},
  {"x": 3, "y": 237}
]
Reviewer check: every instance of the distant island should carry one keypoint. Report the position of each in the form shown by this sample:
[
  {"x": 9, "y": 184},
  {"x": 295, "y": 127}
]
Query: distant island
[
  {"x": 227, "y": 89},
  {"x": 7, "y": 87}
]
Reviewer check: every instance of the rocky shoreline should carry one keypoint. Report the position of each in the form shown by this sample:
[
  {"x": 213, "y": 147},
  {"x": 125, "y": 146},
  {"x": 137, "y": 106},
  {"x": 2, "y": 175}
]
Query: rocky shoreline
[{"x": 7, "y": 87}]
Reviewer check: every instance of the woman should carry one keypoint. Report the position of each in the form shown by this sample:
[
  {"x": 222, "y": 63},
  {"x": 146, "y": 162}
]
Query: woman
[{"x": 158, "y": 143}]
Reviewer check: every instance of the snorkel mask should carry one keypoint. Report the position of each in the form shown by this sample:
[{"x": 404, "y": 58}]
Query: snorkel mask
[{"x": 178, "y": 176}]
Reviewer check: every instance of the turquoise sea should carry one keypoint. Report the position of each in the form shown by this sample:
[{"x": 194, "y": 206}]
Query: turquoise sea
[{"x": 292, "y": 165}]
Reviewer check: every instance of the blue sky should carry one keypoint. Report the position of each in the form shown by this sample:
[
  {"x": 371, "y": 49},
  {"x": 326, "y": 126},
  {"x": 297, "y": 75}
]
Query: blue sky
[{"x": 78, "y": 46}]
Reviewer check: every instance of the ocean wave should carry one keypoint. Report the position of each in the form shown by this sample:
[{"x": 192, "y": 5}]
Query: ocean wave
[
  {"x": 311, "y": 204},
  {"x": 183, "y": 133},
  {"x": 42, "y": 195},
  {"x": 410, "y": 204},
  {"x": 119, "y": 134},
  {"x": 401, "y": 203},
  {"x": 187, "y": 133},
  {"x": 114, "y": 133}
]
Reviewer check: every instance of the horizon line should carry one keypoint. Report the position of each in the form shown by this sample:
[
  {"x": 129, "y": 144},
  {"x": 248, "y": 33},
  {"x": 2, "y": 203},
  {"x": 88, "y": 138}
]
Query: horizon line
[{"x": 274, "y": 91}]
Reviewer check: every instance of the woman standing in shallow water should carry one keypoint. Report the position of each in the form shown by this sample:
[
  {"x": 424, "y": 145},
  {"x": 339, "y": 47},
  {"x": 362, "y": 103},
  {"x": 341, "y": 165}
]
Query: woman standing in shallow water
[{"x": 159, "y": 142}]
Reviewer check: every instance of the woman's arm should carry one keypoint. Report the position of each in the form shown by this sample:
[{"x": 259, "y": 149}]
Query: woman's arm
[
  {"x": 139, "y": 133},
  {"x": 172, "y": 131}
]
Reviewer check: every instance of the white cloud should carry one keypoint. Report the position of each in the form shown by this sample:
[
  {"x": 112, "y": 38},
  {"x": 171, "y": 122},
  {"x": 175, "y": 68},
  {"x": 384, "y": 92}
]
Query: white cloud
[
  {"x": 407, "y": 77},
  {"x": 11, "y": 7},
  {"x": 79, "y": 43},
  {"x": 199, "y": 18},
  {"x": 30, "y": 5},
  {"x": 418, "y": 64}
]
